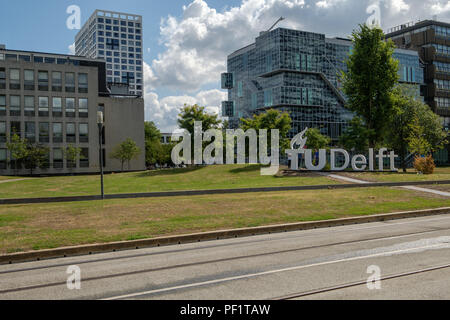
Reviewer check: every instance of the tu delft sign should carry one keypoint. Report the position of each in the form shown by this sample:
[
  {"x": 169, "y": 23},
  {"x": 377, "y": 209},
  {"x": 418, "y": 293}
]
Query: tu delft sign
[{"x": 257, "y": 151}]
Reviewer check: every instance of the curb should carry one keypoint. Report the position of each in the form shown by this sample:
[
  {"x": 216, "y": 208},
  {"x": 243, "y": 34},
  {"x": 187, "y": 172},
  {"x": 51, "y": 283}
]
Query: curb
[
  {"x": 215, "y": 192},
  {"x": 208, "y": 236}
]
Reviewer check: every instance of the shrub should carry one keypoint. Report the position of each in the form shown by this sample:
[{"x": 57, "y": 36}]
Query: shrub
[{"x": 424, "y": 165}]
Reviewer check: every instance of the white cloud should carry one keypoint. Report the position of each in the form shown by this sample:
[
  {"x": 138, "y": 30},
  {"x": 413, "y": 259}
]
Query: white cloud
[
  {"x": 398, "y": 6},
  {"x": 328, "y": 3},
  {"x": 197, "y": 43},
  {"x": 72, "y": 49},
  {"x": 438, "y": 7},
  {"x": 164, "y": 111}
]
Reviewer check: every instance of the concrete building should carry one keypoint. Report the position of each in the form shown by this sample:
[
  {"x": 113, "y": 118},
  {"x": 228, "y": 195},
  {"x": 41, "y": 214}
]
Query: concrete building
[
  {"x": 117, "y": 38},
  {"x": 431, "y": 39},
  {"x": 297, "y": 72},
  {"x": 166, "y": 138},
  {"x": 52, "y": 100}
]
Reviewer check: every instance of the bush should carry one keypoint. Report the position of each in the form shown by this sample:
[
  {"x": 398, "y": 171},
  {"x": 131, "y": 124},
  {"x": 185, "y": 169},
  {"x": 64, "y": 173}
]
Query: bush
[{"x": 424, "y": 165}]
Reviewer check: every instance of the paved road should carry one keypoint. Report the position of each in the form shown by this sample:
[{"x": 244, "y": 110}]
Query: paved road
[{"x": 277, "y": 266}]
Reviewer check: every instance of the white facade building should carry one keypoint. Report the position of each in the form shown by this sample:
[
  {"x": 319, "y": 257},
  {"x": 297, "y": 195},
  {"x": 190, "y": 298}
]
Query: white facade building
[{"x": 116, "y": 38}]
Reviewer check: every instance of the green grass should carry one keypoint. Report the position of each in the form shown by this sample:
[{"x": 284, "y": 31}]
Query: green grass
[
  {"x": 3, "y": 178},
  {"x": 43, "y": 226},
  {"x": 211, "y": 177},
  {"x": 411, "y": 175}
]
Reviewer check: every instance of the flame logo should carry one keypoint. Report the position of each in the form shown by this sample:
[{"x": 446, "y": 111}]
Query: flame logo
[{"x": 300, "y": 140}]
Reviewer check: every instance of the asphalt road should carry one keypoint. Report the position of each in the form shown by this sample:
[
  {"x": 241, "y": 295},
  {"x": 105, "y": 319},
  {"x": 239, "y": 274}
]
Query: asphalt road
[{"x": 412, "y": 256}]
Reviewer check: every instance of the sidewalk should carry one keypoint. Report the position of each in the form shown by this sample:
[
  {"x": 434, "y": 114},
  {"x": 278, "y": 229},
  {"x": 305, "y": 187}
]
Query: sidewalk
[
  {"x": 347, "y": 179},
  {"x": 14, "y": 180}
]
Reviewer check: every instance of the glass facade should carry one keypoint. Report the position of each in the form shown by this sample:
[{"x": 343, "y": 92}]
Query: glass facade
[{"x": 297, "y": 72}]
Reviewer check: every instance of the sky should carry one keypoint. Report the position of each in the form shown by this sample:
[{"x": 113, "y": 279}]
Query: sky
[{"x": 186, "y": 42}]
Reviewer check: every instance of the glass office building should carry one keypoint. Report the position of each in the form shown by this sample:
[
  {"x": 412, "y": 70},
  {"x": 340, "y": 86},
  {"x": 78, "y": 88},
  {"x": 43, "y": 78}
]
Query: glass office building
[
  {"x": 431, "y": 40},
  {"x": 116, "y": 38},
  {"x": 297, "y": 72}
]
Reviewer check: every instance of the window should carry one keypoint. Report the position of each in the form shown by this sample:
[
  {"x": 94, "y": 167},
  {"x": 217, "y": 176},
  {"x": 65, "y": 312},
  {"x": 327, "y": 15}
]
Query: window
[
  {"x": 30, "y": 132},
  {"x": 57, "y": 132},
  {"x": 70, "y": 132},
  {"x": 44, "y": 136},
  {"x": 268, "y": 98},
  {"x": 2, "y": 158},
  {"x": 240, "y": 89},
  {"x": 28, "y": 83},
  {"x": 57, "y": 107},
  {"x": 15, "y": 128},
  {"x": 254, "y": 101},
  {"x": 83, "y": 83},
  {"x": 70, "y": 82},
  {"x": 14, "y": 79},
  {"x": 70, "y": 107},
  {"x": 43, "y": 81},
  {"x": 2, "y": 78},
  {"x": 58, "y": 158},
  {"x": 2, "y": 105},
  {"x": 83, "y": 131},
  {"x": 83, "y": 108},
  {"x": 57, "y": 81},
  {"x": 14, "y": 106},
  {"x": 43, "y": 106},
  {"x": 29, "y": 106},
  {"x": 2, "y": 131}
]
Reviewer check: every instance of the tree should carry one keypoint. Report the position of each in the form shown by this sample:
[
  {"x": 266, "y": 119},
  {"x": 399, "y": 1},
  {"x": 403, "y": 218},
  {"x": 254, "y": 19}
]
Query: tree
[
  {"x": 152, "y": 133},
  {"x": 356, "y": 137},
  {"x": 125, "y": 152},
  {"x": 316, "y": 140},
  {"x": 433, "y": 130},
  {"x": 372, "y": 75},
  {"x": 190, "y": 114},
  {"x": 413, "y": 126},
  {"x": 271, "y": 119},
  {"x": 37, "y": 157},
  {"x": 153, "y": 146},
  {"x": 18, "y": 149},
  {"x": 71, "y": 153},
  {"x": 401, "y": 123}
]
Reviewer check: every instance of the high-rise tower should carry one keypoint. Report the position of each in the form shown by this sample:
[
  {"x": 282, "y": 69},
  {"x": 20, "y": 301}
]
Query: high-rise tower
[{"x": 116, "y": 38}]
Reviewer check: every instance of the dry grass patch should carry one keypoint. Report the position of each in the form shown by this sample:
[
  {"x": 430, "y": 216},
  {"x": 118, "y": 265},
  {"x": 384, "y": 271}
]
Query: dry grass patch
[{"x": 26, "y": 227}]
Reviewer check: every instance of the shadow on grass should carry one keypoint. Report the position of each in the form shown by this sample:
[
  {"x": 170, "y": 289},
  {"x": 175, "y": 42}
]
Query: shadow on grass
[
  {"x": 249, "y": 168},
  {"x": 168, "y": 172}
]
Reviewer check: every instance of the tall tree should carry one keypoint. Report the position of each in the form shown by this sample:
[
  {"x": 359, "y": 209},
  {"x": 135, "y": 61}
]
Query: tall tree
[
  {"x": 153, "y": 145},
  {"x": 413, "y": 127},
  {"x": 151, "y": 131},
  {"x": 372, "y": 75},
  {"x": 401, "y": 124},
  {"x": 356, "y": 137}
]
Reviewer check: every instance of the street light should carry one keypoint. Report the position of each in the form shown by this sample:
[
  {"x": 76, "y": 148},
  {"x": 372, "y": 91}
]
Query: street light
[{"x": 100, "y": 131}]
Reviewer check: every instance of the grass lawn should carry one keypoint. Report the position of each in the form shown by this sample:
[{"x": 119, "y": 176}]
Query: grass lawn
[
  {"x": 34, "y": 227},
  {"x": 411, "y": 175},
  {"x": 211, "y": 177}
]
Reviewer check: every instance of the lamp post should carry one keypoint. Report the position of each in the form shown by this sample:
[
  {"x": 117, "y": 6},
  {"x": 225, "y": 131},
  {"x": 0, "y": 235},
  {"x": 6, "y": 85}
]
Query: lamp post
[{"x": 100, "y": 131}]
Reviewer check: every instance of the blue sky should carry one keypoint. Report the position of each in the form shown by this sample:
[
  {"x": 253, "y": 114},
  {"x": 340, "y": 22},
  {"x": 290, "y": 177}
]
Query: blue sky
[
  {"x": 189, "y": 40},
  {"x": 43, "y": 23}
]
